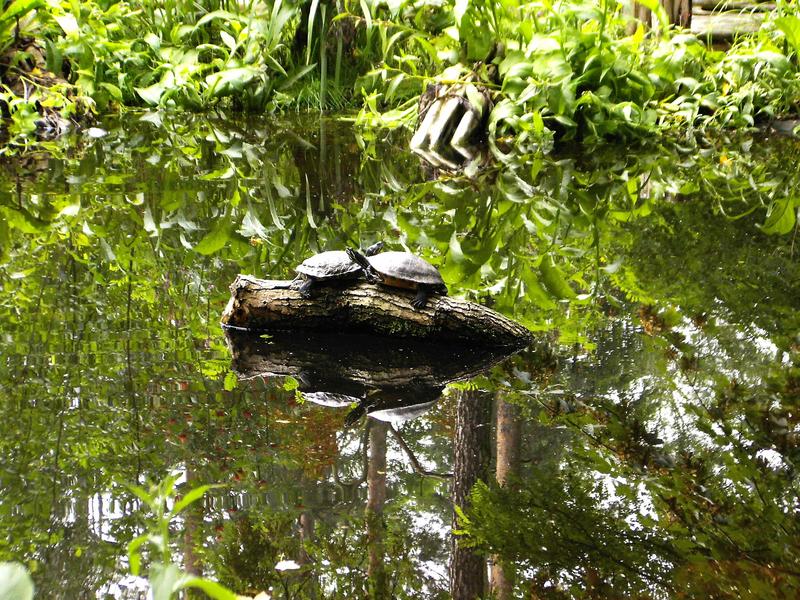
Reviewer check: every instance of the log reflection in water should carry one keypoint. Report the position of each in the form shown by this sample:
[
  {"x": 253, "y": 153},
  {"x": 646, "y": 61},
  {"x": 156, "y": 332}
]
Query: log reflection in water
[{"x": 391, "y": 380}]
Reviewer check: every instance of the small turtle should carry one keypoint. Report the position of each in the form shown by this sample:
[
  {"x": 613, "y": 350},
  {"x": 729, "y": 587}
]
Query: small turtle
[
  {"x": 326, "y": 267},
  {"x": 402, "y": 270}
]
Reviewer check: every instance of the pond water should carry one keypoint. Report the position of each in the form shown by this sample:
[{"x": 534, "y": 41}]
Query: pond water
[{"x": 646, "y": 443}]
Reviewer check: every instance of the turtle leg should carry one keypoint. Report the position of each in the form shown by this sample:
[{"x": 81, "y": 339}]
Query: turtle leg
[
  {"x": 421, "y": 299},
  {"x": 305, "y": 288}
]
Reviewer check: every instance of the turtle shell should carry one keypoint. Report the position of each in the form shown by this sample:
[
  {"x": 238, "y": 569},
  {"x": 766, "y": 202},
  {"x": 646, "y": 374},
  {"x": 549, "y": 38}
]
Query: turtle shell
[
  {"x": 406, "y": 267},
  {"x": 328, "y": 265}
]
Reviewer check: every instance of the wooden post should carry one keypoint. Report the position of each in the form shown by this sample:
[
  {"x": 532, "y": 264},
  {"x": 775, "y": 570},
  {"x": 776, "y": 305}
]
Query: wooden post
[{"x": 679, "y": 12}]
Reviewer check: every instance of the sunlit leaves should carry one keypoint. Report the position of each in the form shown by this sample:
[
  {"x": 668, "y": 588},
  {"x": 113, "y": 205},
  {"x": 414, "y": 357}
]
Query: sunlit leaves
[
  {"x": 790, "y": 26},
  {"x": 553, "y": 278},
  {"x": 232, "y": 80}
]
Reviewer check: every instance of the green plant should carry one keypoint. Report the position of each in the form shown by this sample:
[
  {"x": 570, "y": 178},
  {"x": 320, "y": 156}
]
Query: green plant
[{"x": 167, "y": 578}]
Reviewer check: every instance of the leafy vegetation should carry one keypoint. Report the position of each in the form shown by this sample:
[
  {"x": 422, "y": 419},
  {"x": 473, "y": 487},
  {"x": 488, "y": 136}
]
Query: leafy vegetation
[
  {"x": 84, "y": 58},
  {"x": 563, "y": 70},
  {"x": 661, "y": 440},
  {"x": 166, "y": 578}
]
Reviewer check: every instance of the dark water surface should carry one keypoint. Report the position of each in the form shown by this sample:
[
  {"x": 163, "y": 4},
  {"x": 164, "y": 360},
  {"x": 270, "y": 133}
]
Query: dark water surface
[{"x": 647, "y": 442}]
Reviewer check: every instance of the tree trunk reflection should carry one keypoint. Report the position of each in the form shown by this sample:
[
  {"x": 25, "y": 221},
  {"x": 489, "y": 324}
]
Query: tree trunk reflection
[
  {"x": 509, "y": 431},
  {"x": 471, "y": 449},
  {"x": 376, "y": 499}
]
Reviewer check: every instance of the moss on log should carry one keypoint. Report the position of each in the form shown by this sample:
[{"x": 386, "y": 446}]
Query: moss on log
[{"x": 262, "y": 305}]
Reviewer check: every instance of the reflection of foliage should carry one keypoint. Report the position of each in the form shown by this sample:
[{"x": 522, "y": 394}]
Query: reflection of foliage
[
  {"x": 311, "y": 440},
  {"x": 571, "y": 531},
  {"x": 250, "y": 546},
  {"x": 114, "y": 262},
  {"x": 165, "y": 577},
  {"x": 698, "y": 456},
  {"x": 681, "y": 244}
]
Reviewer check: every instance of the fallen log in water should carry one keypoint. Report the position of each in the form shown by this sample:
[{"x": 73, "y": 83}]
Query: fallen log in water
[{"x": 262, "y": 305}]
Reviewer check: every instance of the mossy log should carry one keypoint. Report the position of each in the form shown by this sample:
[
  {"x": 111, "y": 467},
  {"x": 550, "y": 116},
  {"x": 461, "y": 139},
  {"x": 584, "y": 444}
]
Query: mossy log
[{"x": 262, "y": 305}]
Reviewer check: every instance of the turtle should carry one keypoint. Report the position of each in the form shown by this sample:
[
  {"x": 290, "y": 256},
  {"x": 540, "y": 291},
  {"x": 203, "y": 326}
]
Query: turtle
[
  {"x": 327, "y": 267},
  {"x": 402, "y": 270}
]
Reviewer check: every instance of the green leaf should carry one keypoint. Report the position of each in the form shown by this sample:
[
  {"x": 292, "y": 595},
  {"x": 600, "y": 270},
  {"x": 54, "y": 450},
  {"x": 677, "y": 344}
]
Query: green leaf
[
  {"x": 215, "y": 239},
  {"x": 190, "y": 497},
  {"x": 296, "y": 76},
  {"x": 780, "y": 216},
  {"x": 211, "y": 588},
  {"x": 152, "y": 94},
  {"x": 217, "y": 14},
  {"x": 228, "y": 81},
  {"x": 228, "y": 40},
  {"x": 141, "y": 493},
  {"x": 230, "y": 381},
  {"x": 15, "y": 582},
  {"x": 24, "y": 221},
  {"x": 4, "y": 240},
  {"x": 252, "y": 227},
  {"x": 165, "y": 580},
  {"x": 221, "y": 173},
  {"x": 554, "y": 280},
  {"x": 312, "y": 15},
  {"x": 134, "y": 558},
  {"x": 535, "y": 291},
  {"x": 790, "y": 26},
  {"x": 113, "y": 90},
  {"x": 70, "y": 210},
  {"x": 460, "y": 9},
  {"x": 18, "y": 8},
  {"x": 68, "y": 23}
]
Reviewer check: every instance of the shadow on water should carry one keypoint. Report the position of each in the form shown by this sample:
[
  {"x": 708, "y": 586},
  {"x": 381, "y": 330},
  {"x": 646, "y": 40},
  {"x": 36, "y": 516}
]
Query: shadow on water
[{"x": 648, "y": 448}]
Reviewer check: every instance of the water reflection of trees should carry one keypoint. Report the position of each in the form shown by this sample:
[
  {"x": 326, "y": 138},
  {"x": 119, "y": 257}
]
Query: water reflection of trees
[{"x": 660, "y": 462}]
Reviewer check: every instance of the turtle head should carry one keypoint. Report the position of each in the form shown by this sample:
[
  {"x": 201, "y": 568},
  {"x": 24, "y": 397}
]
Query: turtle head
[
  {"x": 358, "y": 258},
  {"x": 369, "y": 272},
  {"x": 374, "y": 249}
]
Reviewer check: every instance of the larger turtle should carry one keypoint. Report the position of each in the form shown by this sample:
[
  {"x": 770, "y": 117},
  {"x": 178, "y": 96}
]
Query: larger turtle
[
  {"x": 329, "y": 267},
  {"x": 402, "y": 270}
]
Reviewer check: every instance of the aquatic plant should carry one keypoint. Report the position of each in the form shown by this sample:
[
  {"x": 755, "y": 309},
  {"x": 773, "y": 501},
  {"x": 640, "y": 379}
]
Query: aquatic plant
[{"x": 165, "y": 577}]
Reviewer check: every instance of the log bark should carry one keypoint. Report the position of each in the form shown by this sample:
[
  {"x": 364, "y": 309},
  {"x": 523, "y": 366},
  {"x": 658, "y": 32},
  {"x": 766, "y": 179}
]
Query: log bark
[{"x": 263, "y": 305}]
